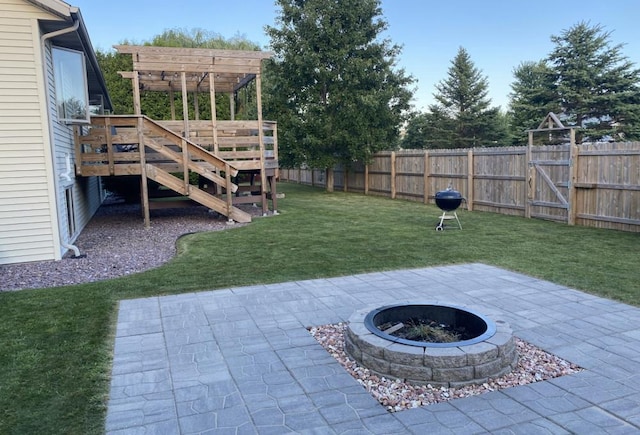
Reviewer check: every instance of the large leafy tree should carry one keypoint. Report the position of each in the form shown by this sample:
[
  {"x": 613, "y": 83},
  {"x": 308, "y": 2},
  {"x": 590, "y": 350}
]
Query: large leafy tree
[
  {"x": 333, "y": 86},
  {"x": 533, "y": 96},
  {"x": 201, "y": 38},
  {"x": 597, "y": 86},
  {"x": 462, "y": 97},
  {"x": 119, "y": 89}
]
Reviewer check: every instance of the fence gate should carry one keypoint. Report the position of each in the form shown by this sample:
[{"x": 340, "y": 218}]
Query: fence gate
[{"x": 551, "y": 178}]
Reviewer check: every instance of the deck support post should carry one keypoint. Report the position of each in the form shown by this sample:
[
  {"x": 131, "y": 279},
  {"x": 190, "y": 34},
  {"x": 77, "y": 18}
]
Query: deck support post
[
  {"x": 185, "y": 117},
  {"x": 172, "y": 104},
  {"x": 263, "y": 175},
  {"x": 144, "y": 190},
  {"x": 214, "y": 121}
]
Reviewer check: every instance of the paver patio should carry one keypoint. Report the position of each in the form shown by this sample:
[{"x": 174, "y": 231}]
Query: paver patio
[{"x": 240, "y": 360}]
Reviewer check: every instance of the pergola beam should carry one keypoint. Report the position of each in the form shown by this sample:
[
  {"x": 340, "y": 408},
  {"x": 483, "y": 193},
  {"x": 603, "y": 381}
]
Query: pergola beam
[{"x": 160, "y": 68}]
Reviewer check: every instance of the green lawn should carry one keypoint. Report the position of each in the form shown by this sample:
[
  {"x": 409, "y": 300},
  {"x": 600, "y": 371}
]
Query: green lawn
[{"x": 55, "y": 344}]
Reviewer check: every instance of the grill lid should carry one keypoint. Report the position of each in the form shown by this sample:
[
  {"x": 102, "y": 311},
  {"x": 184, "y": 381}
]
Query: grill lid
[{"x": 448, "y": 200}]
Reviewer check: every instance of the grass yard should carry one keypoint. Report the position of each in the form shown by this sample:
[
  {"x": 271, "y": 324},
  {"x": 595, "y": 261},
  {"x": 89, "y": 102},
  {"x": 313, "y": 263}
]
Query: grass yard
[{"x": 55, "y": 344}]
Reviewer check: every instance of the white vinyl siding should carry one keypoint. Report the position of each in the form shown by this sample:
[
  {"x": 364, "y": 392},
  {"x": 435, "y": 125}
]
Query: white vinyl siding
[
  {"x": 26, "y": 228},
  {"x": 33, "y": 215}
]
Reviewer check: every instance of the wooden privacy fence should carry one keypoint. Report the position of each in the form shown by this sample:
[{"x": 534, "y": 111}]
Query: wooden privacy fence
[{"x": 592, "y": 184}]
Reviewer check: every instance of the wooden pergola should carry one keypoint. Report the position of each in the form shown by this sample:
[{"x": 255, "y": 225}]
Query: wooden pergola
[
  {"x": 196, "y": 70},
  {"x": 248, "y": 148}
]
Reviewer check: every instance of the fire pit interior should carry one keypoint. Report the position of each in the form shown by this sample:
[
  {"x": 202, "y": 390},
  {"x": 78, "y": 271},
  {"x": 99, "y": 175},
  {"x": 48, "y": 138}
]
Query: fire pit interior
[
  {"x": 437, "y": 344},
  {"x": 429, "y": 325}
]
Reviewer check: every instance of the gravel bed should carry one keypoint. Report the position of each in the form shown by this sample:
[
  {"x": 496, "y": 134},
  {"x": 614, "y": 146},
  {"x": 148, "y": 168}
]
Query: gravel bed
[
  {"x": 116, "y": 243},
  {"x": 395, "y": 395}
]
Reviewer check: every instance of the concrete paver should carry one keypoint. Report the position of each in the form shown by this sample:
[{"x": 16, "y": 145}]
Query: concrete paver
[{"x": 241, "y": 361}]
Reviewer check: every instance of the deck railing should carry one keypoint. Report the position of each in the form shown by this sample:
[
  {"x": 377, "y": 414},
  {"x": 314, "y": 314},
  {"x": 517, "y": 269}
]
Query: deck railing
[
  {"x": 238, "y": 142},
  {"x": 118, "y": 145}
]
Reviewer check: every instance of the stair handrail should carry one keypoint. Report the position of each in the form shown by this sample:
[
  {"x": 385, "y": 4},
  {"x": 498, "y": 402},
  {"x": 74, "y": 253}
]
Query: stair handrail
[
  {"x": 193, "y": 149},
  {"x": 200, "y": 151}
]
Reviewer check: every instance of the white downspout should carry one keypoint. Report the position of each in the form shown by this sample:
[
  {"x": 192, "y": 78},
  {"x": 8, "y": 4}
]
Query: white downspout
[
  {"x": 66, "y": 175},
  {"x": 43, "y": 40}
]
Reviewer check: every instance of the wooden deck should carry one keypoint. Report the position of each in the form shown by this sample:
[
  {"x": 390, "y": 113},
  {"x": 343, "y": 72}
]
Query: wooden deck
[
  {"x": 236, "y": 161},
  {"x": 240, "y": 167}
]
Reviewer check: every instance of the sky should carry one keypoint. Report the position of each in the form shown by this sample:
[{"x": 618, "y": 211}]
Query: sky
[{"x": 498, "y": 34}]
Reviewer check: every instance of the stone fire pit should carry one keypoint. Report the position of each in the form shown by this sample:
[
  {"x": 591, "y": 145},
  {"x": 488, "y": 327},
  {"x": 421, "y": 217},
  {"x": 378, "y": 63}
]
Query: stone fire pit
[{"x": 484, "y": 349}]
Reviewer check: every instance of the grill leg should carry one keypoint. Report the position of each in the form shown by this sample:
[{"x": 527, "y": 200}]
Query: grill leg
[
  {"x": 457, "y": 220},
  {"x": 440, "y": 226}
]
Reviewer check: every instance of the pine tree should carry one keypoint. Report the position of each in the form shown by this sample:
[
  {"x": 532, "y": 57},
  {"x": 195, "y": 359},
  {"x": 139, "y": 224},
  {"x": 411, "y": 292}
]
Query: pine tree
[
  {"x": 463, "y": 98},
  {"x": 333, "y": 87},
  {"x": 531, "y": 99},
  {"x": 597, "y": 86},
  {"x": 430, "y": 130}
]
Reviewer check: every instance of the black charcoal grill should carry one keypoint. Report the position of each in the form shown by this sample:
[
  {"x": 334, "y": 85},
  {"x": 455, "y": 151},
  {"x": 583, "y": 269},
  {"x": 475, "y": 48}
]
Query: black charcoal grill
[{"x": 448, "y": 201}]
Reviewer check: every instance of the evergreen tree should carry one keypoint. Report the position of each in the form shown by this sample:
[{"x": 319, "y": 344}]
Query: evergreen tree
[
  {"x": 596, "y": 85},
  {"x": 333, "y": 87},
  {"x": 531, "y": 99},
  {"x": 430, "y": 130},
  {"x": 463, "y": 98},
  {"x": 414, "y": 133}
]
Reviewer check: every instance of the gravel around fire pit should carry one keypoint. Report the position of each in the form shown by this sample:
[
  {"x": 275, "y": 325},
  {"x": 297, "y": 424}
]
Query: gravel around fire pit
[
  {"x": 395, "y": 395},
  {"x": 116, "y": 243}
]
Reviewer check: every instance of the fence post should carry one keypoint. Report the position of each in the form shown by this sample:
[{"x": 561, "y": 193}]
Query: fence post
[
  {"x": 345, "y": 178},
  {"x": 366, "y": 179},
  {"x": 427, "y": 171},
  {"x": 393, "y": 174},
  {"x": 529, "y": 185},
  {"x": 573, "y": 174},
  {"x": 329, "y": 181},
  {"x": 470, "y": 185}
]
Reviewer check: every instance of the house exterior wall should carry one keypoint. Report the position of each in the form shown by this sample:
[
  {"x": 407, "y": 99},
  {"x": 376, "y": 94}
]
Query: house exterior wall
[
  {"x": 86, "y": 192},
  {"x": 28, "y": 230},
  {"x": 34, "y": 222}
]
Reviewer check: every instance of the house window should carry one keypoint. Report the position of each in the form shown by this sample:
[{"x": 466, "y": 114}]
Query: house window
[{"x": 70, "y": 74}]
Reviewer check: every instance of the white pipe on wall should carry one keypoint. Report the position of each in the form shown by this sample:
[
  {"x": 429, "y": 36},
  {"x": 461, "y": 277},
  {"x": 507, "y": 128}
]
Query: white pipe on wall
[
  {"x": 43, "y": 40},
  {"x": 66, "y": 175}
]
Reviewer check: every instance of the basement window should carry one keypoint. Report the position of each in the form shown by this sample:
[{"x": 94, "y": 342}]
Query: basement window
[{"x": 70, "y": 74}]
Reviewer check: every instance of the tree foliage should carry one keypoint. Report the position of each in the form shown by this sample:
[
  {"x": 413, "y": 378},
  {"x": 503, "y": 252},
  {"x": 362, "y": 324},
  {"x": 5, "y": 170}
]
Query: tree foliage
[
  {"x": 463, "y": 118},
  {"x": 431, "y": 129},
  {"x": 533, "y": 96},
  {"x": 586, "y": 81},
  {"x": 333, "y": 86},
  {"x": 120, "y": 89},
  {"x": 201, "y": 38},
  {"x": 596, "y": 86}
]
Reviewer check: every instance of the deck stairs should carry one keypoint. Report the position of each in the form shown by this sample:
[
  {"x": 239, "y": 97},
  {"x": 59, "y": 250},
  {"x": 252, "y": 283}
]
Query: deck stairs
[
  {"x": 132, "y": 145},
  {"x": 163, "y": 141}
]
